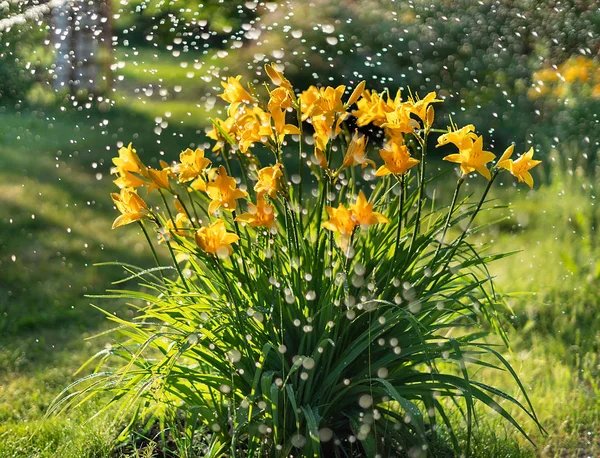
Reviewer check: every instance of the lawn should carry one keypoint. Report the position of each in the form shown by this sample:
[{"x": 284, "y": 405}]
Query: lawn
[{"x": 55, "y": 217}]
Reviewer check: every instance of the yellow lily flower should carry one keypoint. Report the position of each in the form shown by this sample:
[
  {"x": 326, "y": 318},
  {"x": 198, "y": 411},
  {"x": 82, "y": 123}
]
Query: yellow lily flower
[
  {"x": 223, "y": 192},
  {"x": 363, "y": 214},
  {"x": 215, "y": 239},
  {"x": 128, "y": 180},
  {"x": 356, "y": 93},
  {"x": 355, "y": 155},
  {"x": 277, "y": 77},
  {"x": 399, "y": 120},
  {"x": 457, "y": 136},
  {"x": 261, "y": 214},
  {"x": 279, "y": 99},
  {"x": 159, "y": 179},
  {"x": 268, "y": 180},
  {"x": 193, "y": 164},
  {"x": 262, "y": 127},
  {"x": 280, "y": 127},
  {"x": 127, "y": 164},
  {"x": 521, "y": 167},
  {"x": 129, "y": 161},
  {"x": 371, "y": 109},
  {"x": 308, "y": 99},
  {"x": 472, "y": 157},
  {"x": 234, "y": 91},
  {"x": 325, "y": 101},
  {"x": 341, "y": 222},
  {"x": 397, "y": 159},
  {"x": 132, "y": 207},
  {"x": 419, "y": 107}
]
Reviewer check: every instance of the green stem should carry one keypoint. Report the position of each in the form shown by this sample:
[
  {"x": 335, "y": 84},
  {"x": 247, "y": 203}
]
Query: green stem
[
  {"x": 151, "y": 246},
  {"x": 466, "y": 230},
  {"x": 450, "y": 212},
  {"x": 423, "y": 144},
  {"x": 169, "y": 244},
  {"x": 398, "y": 231}
]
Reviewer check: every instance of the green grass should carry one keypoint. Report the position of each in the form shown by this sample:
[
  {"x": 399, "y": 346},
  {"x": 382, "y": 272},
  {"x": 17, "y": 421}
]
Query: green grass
[
  {"x": 55, "y": 218},
  {"x": 46, "y": 266}
]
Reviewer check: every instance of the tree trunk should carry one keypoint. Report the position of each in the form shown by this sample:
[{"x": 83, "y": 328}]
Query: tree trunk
[
  {"x": 86, "y": 34},
  {"x": 62, "y": 38}
]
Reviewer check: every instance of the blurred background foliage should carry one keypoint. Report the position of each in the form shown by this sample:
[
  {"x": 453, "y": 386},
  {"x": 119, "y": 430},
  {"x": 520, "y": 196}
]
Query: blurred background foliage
[{"x": 522, "y": 71}]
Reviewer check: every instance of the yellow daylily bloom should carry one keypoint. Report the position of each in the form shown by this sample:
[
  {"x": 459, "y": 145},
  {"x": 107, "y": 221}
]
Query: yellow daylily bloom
[
  {"x": 325, "y": 130},
  {"x": 132, "y": 207},
  {"x": 457, "y": 136},
  {"x": 280, "y": 127},
  {"x": 263, "y": 127},
  {"x": 323, "y": 102},
  {"x": 268, "y": 180},
  {"x": 326, "y": 111},
  {"x": 234, "y": 91},
  {"x": 277, "y": 77},
  {"x": 193, "y": 164},
  {"x": 261, "y": 214},
  {"x": 159, "y": 179},
  {"x": 223, "y": 192},
  {"x": 341, "y": 222},
  {"x": 199, "y": 184},
  {"x": 355, "y": 155},
  {"x": 472, "y": 157},
  {"x": 419, "y": 107},
  {"x": 397, "y": 159},
  {"x": 521, "y": 167},
  {"x": 279, "y": 98},
  {"x": 215, "y": 239},
  {"x": 363, "y": 214},
  {"x": 399, "y": 121},
  {"x": 356, "y": 93},
  {"x": 372, "y": 108},
  {"x": 129, "y": 161},
  {"x": 128, "y": 180},
  {"x": 308, "y": 99},
  {"x": 128, "y": 166}
]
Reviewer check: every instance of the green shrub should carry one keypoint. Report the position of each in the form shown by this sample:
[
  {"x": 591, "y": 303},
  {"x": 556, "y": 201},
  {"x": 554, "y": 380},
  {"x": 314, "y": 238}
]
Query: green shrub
[{"x": 303, "y": 325}]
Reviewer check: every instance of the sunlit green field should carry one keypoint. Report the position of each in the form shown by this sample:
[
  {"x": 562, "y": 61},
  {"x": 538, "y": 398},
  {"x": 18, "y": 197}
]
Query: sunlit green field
[{"x": 55, "y": 218}]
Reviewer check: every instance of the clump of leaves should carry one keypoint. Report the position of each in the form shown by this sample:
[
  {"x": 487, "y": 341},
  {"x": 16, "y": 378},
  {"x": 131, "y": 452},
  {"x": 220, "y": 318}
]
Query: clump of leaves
[{"x": 319, "y": 323}]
